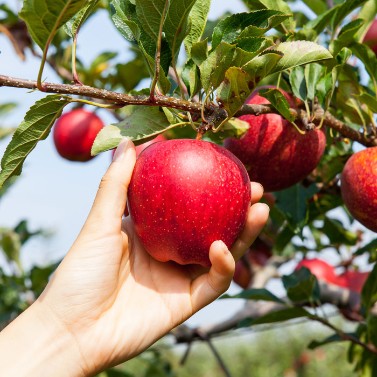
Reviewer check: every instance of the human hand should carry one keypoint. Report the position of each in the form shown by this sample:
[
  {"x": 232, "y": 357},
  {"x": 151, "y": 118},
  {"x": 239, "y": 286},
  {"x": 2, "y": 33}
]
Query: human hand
[{"x": 109, "y": 299}]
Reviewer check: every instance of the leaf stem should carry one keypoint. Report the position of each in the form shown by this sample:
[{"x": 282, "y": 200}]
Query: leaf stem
[
  {"x": 158, "y": 52},
  {"x": 40, "y": 86},
  {"x": 74, "y": 61}
]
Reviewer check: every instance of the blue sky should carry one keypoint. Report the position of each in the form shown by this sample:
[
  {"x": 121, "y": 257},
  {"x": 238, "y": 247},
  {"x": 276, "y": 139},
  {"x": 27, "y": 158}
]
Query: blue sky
[{"x": 53, "y": 193}]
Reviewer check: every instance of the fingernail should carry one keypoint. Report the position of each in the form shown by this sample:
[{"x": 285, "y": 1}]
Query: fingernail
[
  {"x": 122, "y": 147},
  {"x": 223, "y": 247}
]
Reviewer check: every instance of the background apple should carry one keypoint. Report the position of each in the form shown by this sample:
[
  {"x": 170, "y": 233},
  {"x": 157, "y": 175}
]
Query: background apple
[
  {"x": 184, "y": 194},
  {"x": 370, "y": 37},
  {"x": 74, "y": 134},
  {"x": 322, "y": 270},
  {"x": 274, "y": 152},
  {"x": 256, "y": 257},
  {"x": 353, "y": 280},
  {"x": 359, "y": 187}
]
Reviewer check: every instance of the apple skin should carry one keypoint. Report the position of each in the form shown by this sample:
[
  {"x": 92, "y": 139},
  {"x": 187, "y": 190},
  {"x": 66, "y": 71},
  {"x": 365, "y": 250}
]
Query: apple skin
[
  {"x": 370, "y": 37},
  {"x": 183, "y": 195},
  {"x": 353, "y": 280},
  {"x": 274, "y": 152},
  {"x": 359, "y": 187},
  {"x": 257, "y": 255},
  {"x": 322, "y": 270},
  {"x": 74, "y": 134}
]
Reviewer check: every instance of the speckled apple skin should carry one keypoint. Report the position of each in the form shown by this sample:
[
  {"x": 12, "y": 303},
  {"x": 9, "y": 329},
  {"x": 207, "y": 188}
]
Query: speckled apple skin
[
  {"x": 359, "y": 187},
  {"x": 74, "y": 134},
  {"x": 184, "y": 194},
  {"x": 274, "y": 152}
]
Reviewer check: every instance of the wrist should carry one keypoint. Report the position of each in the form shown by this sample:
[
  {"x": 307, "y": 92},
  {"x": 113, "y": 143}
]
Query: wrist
[{"x": 36, "y": 344}]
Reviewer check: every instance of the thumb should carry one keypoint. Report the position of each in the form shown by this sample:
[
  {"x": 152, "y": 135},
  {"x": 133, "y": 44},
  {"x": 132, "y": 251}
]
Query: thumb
[
  {"x": 209, "y": 286},
  {"x": 110, "y": 201}
]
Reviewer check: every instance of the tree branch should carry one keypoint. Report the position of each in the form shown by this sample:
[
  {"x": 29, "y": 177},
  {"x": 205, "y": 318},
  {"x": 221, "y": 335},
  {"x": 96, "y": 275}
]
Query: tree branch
[
  {"x": 106, "y": 95},
  {"x": 341, "y": 297},
  {"x": 318, "y": 115},
  {"x": 192, "y": 107}
]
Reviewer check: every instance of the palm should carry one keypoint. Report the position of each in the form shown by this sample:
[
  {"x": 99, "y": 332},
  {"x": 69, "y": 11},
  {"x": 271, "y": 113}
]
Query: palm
[{"x": 108, "y": 284}]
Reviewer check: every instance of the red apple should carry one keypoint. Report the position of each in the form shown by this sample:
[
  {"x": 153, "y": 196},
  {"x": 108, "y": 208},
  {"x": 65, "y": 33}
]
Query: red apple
[
  {"x": 353, "y": 280},
  {"x": 359, "y": 187},
  {"x": 184, "y": 194},
  {"x": 74, "y": 134},
  {"x": 370, "y": 37},
  {"x": 274, "y": 152},
  {"x": 322, "y": 270},
  {"x": 257, "y": 256}
]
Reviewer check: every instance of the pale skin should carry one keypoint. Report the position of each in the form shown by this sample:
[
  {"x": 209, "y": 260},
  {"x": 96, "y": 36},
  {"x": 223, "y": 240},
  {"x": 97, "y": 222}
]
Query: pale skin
[{"x": 109, "y": 300}]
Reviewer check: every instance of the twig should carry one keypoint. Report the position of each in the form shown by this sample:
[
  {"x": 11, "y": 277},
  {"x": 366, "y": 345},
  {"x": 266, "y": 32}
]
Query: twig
[
  {"x": 193, "y": 107},
  {"x": 106, "y": 95},
  {"x": 218, "y": 357},
  {"x": 369, "y": 347}
]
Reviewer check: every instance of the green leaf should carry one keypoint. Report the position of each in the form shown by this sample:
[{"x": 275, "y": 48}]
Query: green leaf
[
  {"x": 190, "y": 77},
  {"x": 293, "y": 202},
  {"x": 35, "y": 127},
  {"x": 299, "y": 53},
  {"x": 333, "y": 16},
  {"x": 234, "y": 90},
  {"x": 298, "y": 83},
  {"x": 43, "y": 16},
  {"x": 369, "y": 100},
  {"x": 330, "y": 339},
  {"x": 282, "y": 315},
  {"x": 278, "y": 101},
  {"x": 370, "y": 247},
  {"x": 337, "y": 234},
  {"x": 280, "y": 5},
  {"x": 199, "y": 51},
  {"x": 313, "y": 73},
  {"x": 301, "y": 286},
  {"x": 126, "y": 26},
  {"x": 176, "y": 25},
  {"x": 125, "y": 19},
  {"x": 11, "y": 244},
  {"x": 233, "y": 127},
  {"x": 256, "y": 294},
  {"x": 7, "y": 107},
  {"x": 369, "y": 292},
  {"x": 324, "y": 89},
  {"x": 261, "y": 66},
  {"x": 140, "y": 123},
  {"x": 198, "y": 19},
  {"x": 367, "y": 13},
  {"x": 212, "y": 70},
  {"x": 149, "y": 14},
  {"x": 317, "y": 6},
  {"x": 252, "y": 24},
  {"x": 74, "y": 24},
  {"x": 372, "y": 328}
]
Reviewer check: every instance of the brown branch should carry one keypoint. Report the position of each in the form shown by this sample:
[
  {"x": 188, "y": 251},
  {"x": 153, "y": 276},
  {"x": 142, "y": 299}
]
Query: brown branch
[
  {"x": 369, "y": 347},
  {"x": 106, "y": 95},
  {"x": 192, "y": 107},
  {"x": 328, "y": 120}
]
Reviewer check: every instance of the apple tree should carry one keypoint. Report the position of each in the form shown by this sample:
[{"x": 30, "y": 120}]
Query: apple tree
[{"x": 289, "y": 87}]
